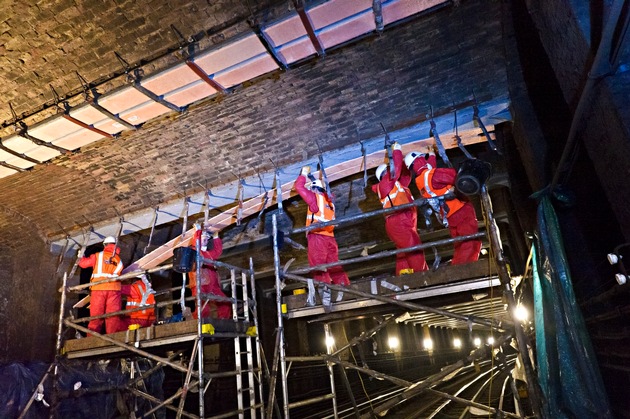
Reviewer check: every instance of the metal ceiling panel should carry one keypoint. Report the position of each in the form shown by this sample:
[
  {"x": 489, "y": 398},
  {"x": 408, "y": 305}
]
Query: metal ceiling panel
[
  {"x": 15, "y": 161},
  {"x": 91, "y": 116},
  {"x": 400, "y": 9},
  {"x": 53, "y": 128},
  {"x": 347, "y": 29},
  {"x": 122, "y": 100},
  {"x": 285, "y": 31},
  {"x": 334, "y": 11},
  {"x": 231, "y": 54},
  {"x": 170, "y": 80},
  {"x": 254, "y": 67},
  {"x": 297, "y": 50},
  {"x": 78, "y": 139},
  {"x": 143, "y": 112},
  {"x": 5, "y": 171},
  {"x": 191, "y": 93},
  {"x": 27, "y": 147}
]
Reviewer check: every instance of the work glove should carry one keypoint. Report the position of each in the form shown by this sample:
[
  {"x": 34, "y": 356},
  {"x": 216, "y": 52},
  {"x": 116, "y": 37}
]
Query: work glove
[
  {"x": 215, "y": 234},
  {"x": 305, "y": 170},
  {"x": 431, "y": 150},
  {"x": 396, "y": 146}
]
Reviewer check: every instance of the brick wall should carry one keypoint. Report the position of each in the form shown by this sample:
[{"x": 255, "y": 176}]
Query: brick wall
[{"x": 392, "y": 79}]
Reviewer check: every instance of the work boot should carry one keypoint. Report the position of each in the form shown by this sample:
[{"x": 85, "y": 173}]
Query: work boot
[
  {"x": 326, "y": 299},
  {"x": 310, "y": 299}
]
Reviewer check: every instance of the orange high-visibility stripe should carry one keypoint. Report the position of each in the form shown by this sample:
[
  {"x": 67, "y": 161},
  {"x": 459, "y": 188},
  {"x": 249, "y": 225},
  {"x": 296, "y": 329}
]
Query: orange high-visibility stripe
[{"x": 325, "y": 213}]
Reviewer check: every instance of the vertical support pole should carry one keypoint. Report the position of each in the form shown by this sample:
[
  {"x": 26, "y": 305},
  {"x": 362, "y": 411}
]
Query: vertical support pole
[
  {"x": 237, "y": 351},
  {"x": 504, "y": 276},
  {"x": 283, "y": 356},
  {"x": 199, "y": 328},
  {"x": 59, "y": 341},
  {"x": 249, "y": 347},
  {"x": 254, "y": 311},
  {"x": 329, "y": 365}
]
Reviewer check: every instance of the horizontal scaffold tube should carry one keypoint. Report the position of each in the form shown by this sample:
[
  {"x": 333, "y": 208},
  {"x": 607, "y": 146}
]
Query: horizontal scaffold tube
[
  {"x": 388, "y": 253},
  {"x": 128, "y": 275},
  {"x": 406, "y": 304},
  {"x": 358, "y": 217}
]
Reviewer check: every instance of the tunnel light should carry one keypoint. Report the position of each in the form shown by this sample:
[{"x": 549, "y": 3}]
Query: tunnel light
[
  {"x": 521, "y": 313},
  {"x": 393, "y": 342},
  {"x": 428, "y": 344},
  {"x": 330, "y": 342},
  {"x": 612, "y": 258},
  {"x": 491, "y": 340},
  {"x": 477, "y": 342},
  {"x": 621, "y": 278},
  {"x": 457, "y": 343}
]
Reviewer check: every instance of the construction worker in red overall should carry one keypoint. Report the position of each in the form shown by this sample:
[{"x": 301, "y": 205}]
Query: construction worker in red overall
[
  {"x": 434, "y": 182},
  {"x": 322, "y": 246},
  {"x": 139, "y": 294},
  {"x": 211, "y": 248},
  {"x": 105, "y": 298},
  {"x": 401, "y": 226}
]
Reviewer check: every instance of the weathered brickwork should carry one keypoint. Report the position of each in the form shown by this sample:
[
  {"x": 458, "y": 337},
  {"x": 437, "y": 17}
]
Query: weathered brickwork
[
  {"x": 605, "y": 127},
  {"x": 391, "y": 79}
]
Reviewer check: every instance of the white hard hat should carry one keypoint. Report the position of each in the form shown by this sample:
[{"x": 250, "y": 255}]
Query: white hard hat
[
  {"x": 409, "y": 158},
  {"x": 109, "y": 239},
  {"x": 317, "y": 183},
  {"x": 380, "y": 170}
]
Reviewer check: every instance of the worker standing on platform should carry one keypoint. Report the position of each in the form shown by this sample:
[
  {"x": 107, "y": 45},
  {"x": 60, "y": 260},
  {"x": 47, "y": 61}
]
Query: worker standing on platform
[
  {"x": 322, "y": 246},
  {"x": 105, "y": 298},
  {"x": 434, "y": 182},
  {"x": 139, "y": 294},
  {"x": 211, "y": 248},
  {"x": 401, "y": 226}
]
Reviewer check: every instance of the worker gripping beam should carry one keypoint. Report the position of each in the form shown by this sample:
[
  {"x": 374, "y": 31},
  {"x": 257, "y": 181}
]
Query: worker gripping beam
[
  {"x": 388, "y": 146},
  {"x": 438, "y": 142}
]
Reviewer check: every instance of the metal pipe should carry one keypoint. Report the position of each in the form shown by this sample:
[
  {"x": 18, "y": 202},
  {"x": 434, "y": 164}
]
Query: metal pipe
[
  {"x": 259, "y": 358},
  {"x": 282, "y": 354},
  {"x": 388, "y": 253},
  {"x": 363, "y": 215},
  {"x": 600, "y": 68},
  {"x": 378, "y": 375},
  {"x": 34, "y": 395},
  {"x": 470, "y": 403},
  {"x": 405, "y": 304},
  {"x": 166, "y": 403},
  {"x": 199, "y": 341},
  {"x": 310, "y": 401},
  {"x": 331, "y": 373},
  {"x": 185, "y": 387},
  {"x": 366, "y": 335},
  {"x": 502, "y": 270},
  {"x": 62, "y": 305}
]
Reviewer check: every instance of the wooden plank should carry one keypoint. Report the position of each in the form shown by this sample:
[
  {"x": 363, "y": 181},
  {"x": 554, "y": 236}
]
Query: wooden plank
[{"x": 253, "y": 205}]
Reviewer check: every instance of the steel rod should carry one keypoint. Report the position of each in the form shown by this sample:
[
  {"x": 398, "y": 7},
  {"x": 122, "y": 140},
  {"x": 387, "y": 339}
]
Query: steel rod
[
  {"x": 282, "y": 354},
  {"x": 186, "y": 384},
  {"x": 504, "y": 276},
  {"x": 166, "y": 403},
  {"x": 388, "y": 253},
  {"x": 34, "y": 395}
]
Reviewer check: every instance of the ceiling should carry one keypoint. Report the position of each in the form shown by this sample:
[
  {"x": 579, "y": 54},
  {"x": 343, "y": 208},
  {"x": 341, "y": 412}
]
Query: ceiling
[{"x": 71, "y": 121}]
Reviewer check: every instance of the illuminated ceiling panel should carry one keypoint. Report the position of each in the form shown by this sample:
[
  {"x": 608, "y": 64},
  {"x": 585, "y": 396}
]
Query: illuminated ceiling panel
[
  {"x": 14, "y": 161},
  {"x": 122, "y": 100},
  {"x": 348, "y": 29},
  {"x": 190, "y": 93},
  {"x": 77, "y": 139},
  {"x": 334, "y": 11},
  {"x": 53, "y": 128},
  {"x": 400, "y": 9},
  {"x": 230, "y": 55},
  {"x": 5, "y": 171},
  {"x": 254, "y": 67},
  {"x": 169, "y": 80},
  {"x": 143, "y": 112},
  {"x": 28, "y": 148},
  {"x": 91, "y": 116}
]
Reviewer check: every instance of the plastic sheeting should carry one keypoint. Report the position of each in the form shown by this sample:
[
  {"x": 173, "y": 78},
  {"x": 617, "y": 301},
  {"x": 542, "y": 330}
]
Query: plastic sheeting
[
  {"x": 567, "y": 368},
  {"x": 94, "y": 390}
]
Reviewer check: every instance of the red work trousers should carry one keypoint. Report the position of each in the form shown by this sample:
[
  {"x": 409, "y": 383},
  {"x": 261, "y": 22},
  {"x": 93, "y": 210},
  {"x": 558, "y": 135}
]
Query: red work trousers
[
  {"x": 463, "y": 222},
  {"x": 402, "y": 229},
  {"x": 323, "y": 249},
  {"x": 210, "y": 285},
  {"x": 103, "y": 302}
]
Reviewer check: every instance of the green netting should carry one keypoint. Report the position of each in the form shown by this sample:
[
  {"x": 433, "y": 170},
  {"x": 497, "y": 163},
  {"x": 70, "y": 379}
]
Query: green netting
[{"x": 567, "y": 368}]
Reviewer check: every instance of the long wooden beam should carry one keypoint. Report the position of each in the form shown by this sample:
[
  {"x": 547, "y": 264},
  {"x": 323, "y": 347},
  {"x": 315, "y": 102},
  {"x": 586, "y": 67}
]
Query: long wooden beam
[{"x": 255, "y": 204}]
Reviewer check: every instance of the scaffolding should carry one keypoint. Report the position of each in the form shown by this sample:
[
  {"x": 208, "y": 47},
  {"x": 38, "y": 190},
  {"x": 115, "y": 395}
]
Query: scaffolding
[
  {"x": 242, "y": 330},
  {"x": 148, "y": 344},
  {"x": 507, "y": 329}
]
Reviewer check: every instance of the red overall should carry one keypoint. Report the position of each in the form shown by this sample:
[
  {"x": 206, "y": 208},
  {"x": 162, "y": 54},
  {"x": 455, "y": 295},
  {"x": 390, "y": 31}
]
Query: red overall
[
  {"x": 401, "y": 226},
  {"x": 209, "y": 281},
  {"x": 462, "y": 220},
  {"x": 322, "y": 246},
  {"x": 105, "y": 298},
  {"x": 138, "y": 296}
]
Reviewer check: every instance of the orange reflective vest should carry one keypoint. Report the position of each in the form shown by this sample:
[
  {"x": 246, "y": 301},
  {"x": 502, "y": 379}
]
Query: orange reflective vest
[
  {"x": 106, "y": 266},
  {"x": 326, "y": 212},
  {"x": 141, "y": 296},
  {"x": 424, "y": 182},
  {"x": 399, "y": 195}
]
